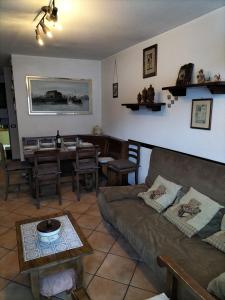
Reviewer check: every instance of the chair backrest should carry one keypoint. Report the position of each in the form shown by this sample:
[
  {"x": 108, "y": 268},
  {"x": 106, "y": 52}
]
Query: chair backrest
[
  {"x": 47, "y": 156},
  {"x": 2, "y": 157},
  {"x": 86, "y": 155},
  {"x": 134, "y": 152}
]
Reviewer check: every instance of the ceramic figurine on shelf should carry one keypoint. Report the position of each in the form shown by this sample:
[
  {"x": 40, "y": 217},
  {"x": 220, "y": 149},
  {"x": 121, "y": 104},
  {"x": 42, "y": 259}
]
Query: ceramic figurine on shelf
[
  {"x": 139, "y": 98},
  {"x": 201, "y": 76},
  {"x": 150, "y": 94},
  {"x": 144, "y": 95},
  {"x": 217, "y": 77}
]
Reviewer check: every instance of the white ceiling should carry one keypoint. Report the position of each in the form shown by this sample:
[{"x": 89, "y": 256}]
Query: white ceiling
[{"x": 93, "y": 29}]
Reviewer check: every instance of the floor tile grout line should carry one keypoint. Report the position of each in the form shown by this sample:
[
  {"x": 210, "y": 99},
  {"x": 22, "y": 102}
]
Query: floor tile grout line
[{"x": 95, "y": 274}]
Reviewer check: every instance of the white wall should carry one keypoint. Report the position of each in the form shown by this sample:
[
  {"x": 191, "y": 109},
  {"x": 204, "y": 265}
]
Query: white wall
[
  {"x": 201, "y": 42},
  {"x": 29, "y": 125}
]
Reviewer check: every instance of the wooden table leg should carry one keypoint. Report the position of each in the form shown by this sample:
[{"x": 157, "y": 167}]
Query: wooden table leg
[
  {"x": 34, "y": 278},
  {"x": 79, "y": 272}
]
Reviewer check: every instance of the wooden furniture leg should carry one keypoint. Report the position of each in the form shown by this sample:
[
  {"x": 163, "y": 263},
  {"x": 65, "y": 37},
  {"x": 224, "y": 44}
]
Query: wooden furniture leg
[
  {"x": 37, "y": 194},
  {"x": 34, "y": 278},
  {"x": 59, "y": 191},
  {"x": 73, "y": 181},
  {"x": 78, "y": 186},
  {"x": 136, "y": 177},
  {"x": 79, "y": 272},
  {"x": 96, "y": 181},
  {"x": 6, "y": 186}
]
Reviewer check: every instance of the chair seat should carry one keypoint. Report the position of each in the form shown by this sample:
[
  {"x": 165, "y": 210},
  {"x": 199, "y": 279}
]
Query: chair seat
[
  {"x": 159, "y": 297},
  {"x": 47, "y": 169},
  {"x": 122, "y": 164},
  {"x": 105, "y": 159},
  {"x": 85, "y": 166},
  {"x": 17, "y": 165}
]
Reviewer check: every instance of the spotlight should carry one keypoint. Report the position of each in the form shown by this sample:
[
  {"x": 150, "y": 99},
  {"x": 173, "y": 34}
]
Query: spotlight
[
  {"x": 45, "y": 29},
  {"x": 38, "y": 37}
]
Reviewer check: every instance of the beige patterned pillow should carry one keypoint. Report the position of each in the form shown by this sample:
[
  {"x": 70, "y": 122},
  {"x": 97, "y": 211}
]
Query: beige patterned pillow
[
  {"x": 161, "y": 194},
  {"x": 217, "y": 240},
  {"x": 193, "y": 212},
  {"x": 223, "y": 223}
]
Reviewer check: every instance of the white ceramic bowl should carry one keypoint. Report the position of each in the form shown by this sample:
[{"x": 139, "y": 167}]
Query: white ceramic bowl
[{"x": 50, "y": 236}]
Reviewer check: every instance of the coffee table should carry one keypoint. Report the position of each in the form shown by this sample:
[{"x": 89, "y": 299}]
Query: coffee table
[{"x": 41, "y": 259}]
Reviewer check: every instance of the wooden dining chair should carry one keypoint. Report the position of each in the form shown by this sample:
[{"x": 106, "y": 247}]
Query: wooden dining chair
[
  {"x": 13, "y": 167},
  {"x": 125, "y": 166},
  {"x": 46, "y": 171},
  {"x": 86, "y": 162}
]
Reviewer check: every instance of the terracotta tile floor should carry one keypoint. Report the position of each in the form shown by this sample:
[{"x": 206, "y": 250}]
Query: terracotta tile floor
[{"x": 112, "y": 272}]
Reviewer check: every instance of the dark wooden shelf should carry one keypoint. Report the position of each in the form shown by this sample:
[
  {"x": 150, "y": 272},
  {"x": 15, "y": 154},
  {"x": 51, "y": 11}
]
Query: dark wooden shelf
[
  {"x": 136, "y": 106},
  {"x": 216, "y": 87}
]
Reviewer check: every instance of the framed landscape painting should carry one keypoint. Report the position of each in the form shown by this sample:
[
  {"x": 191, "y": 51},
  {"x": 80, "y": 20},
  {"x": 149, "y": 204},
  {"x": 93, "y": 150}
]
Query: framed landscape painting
[
  {"x": 54, "y": 96},
  {"x": 201, "y": 113}
]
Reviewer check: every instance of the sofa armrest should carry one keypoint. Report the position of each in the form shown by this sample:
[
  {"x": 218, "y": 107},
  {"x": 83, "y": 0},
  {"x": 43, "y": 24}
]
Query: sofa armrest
[
  {"x": 115, "y": 193},
  {"x": 175, "y": 273}
]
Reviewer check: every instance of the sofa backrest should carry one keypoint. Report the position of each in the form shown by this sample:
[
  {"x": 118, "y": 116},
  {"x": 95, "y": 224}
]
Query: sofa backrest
[{"x": 205, "y": 176}]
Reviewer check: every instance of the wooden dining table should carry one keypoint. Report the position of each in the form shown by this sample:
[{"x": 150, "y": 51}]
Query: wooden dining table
[{"x": 67, "y": 154}]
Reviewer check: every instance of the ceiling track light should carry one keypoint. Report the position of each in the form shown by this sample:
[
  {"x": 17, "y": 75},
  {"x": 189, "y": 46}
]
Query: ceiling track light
[
  {"x": 45, "y": 29},
  {"x": 38, "y": 37},
  {"x": 49, "y": 13}
]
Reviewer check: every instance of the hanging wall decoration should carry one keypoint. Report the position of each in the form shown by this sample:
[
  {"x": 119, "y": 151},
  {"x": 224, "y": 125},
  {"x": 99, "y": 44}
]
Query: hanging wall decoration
[
  {"x": 201, "y": 113},
  {"x": 115, "y": 81},
  {"x": 150, "y": 61}
]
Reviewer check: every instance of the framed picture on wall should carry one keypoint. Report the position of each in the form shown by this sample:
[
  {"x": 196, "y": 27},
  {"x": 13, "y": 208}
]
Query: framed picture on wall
[
  {"x": 150, "y": 61},
  {"x": 57, "y": 96},
  {"x": 201, "y": 113},
  {"x": 115, "y": 90}
]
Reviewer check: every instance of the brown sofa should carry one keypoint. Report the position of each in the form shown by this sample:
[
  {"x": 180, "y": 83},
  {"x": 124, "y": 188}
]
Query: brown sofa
[{"x": 151, "y": 234}]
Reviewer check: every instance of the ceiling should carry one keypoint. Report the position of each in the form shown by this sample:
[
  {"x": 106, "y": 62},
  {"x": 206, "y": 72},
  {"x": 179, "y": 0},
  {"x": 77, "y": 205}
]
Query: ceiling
[{"x": 93, "y": 29}]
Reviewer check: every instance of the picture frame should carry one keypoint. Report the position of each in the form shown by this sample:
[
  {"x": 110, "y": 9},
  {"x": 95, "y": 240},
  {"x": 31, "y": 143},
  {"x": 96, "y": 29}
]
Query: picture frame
[
  {"x": 185, "y": 74},
  {"x": 150, "y": 61},
  {"x": 201, "y": 113},
  {"x": 58, "y": 96},
  {"x": 115, "y": 90}
]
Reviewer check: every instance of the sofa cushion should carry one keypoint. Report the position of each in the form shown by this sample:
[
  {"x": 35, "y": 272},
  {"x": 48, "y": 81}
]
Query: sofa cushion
[
  {"x": 217, "y": 240},
  {"x": 116, "y": 193},
  {"x": 217, "y": 286},
  {"x": 161, "y": 194},
  {"x": 193, "y": 212}
]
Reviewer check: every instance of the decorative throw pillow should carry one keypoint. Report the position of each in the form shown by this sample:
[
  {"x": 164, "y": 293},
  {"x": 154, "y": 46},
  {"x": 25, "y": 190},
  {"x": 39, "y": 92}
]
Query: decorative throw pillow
[
  {"x": 217, "y": 286},
  {"x": 161, "y": 195},
  {"x": 217, "y": 240},
  {"x": 223, "y": 223},
  {"x": 213, "y": 226},
  {"x": 193, "y": 212}
]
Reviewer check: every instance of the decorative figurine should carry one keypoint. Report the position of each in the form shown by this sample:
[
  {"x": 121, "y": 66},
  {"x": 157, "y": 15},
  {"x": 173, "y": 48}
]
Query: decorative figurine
[
  {"x": 144, "y": 95},
  {"x": 150, "y": 94},
  {"x": 139, "y": 98},
  {"x": 201, "y": 76},
  {"x": 217, "y": 77}
]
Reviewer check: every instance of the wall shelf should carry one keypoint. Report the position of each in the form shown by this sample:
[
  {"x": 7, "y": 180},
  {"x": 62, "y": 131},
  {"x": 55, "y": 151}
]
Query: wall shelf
[
  {"x": 136, "y": 106},
  {"x": 217, "y": 87}
]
